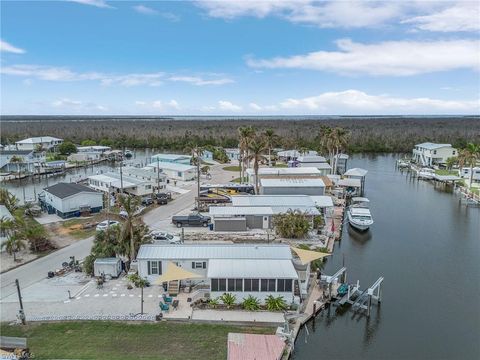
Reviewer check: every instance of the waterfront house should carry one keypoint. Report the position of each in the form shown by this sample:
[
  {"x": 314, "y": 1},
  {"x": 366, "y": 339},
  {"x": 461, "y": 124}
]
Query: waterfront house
[
  {"x": 172, "y": 158},
  {"x": 430, "y": 154},
  {"x": 465, "y": 173},
  {"x": 68, "y": 200},
  {"x": 93, "y": 149},
  {"x": 21, "y": 160},
  {"x": 341, "y": 160},
  {"x": 84, "y": 156},
  {"x": 38, "y": 143},
  {"x": 294, "y": 172},
  {"x": 278, "y": 203},
  {"x": 291, "y": 155},
  {"x": 174, "y": 171},
  {"x": 5, "y": 215},
  {"x": 233, "y": 154},
  {"x": 133, "y": 181},
  {"x": 292, "y": 186},
  {"x": 239, "y": 269}
]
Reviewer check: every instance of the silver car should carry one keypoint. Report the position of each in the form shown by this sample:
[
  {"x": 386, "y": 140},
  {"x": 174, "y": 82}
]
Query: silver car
[
  {"x": 107, "y": 224},
  {"x": 164, "y": 237}
]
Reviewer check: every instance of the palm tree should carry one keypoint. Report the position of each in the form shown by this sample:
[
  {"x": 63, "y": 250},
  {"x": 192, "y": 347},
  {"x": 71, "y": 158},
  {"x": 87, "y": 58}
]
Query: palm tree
[
  {"x": 270, "y": 141},
  {"x": 9, "y": 200},
  {"x": 246, "y": 135},
  {"x": 15, "y": 241},
  {"x": 339, "y": 142},
  {"x": 469, "y": 157},
  {"x": 326, "y": 142},
  {"x": 15, "y": 159},
  {"x": 35, "y": 234},
  {"x": 130, "y": 205},
  {"x": 451, "y": 161},
  {"x": 256, "y": 150}
]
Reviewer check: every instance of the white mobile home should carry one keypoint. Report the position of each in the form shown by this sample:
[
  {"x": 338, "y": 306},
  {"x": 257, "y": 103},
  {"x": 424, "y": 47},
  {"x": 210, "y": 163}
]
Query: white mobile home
[
  {"x": 243, "y": 270},
  {"x": 267, "y": 172},
  {"x": 172, "y": 158},
  {"x": 38, "y": 143},
  {"x": 429, "y": 154},
  {"x": 287, "y": 155},
  {"x": 278, "y": 203},
  {"x": 465, "y": 173},
  {"x": 175, "y": 171},
  {"x": 233, "y": 154},
  {"x": 292, "y": 186},
  {"x": 241, "y": 218},
  {"x": 69, "y": 200}
]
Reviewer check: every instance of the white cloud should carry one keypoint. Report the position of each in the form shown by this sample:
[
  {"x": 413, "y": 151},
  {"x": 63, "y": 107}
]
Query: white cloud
[
  {"x": 159, "y": 105},
  {"x": 463, "y": 16},
  {"x": 359, "y": 102},
  {"x": 66, "y": 104},
  {"x": 395, "y": 58},
  {"x": 228, "y": 106},
  {"x": 142, "y": 9},
  {"x": 255, "y": 106},
  {"x": 96, "y": 3},
  {"x": 195, "y": 80},
  {"x": 6, "y": 47},
  {"x": 52, "y": 73}
]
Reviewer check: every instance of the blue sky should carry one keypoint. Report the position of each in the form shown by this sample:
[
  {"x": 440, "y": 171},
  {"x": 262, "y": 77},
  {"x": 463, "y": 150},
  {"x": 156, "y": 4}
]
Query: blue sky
[{"x": 240, "y": 58}]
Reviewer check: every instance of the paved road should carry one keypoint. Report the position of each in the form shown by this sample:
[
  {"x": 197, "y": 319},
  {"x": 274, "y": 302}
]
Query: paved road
[{"x": 37, "y": 270}]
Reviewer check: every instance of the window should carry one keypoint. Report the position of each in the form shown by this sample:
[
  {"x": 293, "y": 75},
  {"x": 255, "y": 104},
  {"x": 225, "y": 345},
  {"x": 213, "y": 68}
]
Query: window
[
  {"x": 154, "y": 267},
  {"x": 284, "y": 285},
  {"x": 199, "y": 265},
  {"x": 148, "y": 187},
  {"x": 434, "y": 152},
  {"x": 231, "y": 284},
  {"x": 222, "y": 285},
  {"x": 268, "y": 285},
  {"x": 453, "y": 152},
  {"x": 235, "y": 284},
  {"x": 250, "y": 285},
  {"x": 255, "y": 285},
  {"x": 214, "y": 284},
  {"x": 179, "y": 174}
]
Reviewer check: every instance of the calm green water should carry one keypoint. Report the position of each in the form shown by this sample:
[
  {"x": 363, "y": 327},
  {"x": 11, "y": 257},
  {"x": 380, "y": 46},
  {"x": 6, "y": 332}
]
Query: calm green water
[{"x": 427, "y": 246}]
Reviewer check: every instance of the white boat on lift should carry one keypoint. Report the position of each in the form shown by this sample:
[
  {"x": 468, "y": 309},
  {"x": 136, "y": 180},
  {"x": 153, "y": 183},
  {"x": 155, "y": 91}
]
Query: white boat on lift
[
  {"x": 359, "y": 215},
  {"x": 426, "y": 173}
]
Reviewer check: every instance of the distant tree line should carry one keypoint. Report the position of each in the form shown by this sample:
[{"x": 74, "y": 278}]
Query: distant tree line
[{"x": 366, "y": 134}]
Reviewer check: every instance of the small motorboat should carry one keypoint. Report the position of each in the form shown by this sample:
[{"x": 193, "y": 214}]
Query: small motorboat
[
  {"x": 128, "y": 154},
  {"x": 426, "y": 173},
  {"x": 359, "y": 215},
  {"x": 402, "y": 164}
]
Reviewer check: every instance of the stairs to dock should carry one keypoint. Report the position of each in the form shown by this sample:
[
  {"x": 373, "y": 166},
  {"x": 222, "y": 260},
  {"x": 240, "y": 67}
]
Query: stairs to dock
[{"x": 173, "y": 287}]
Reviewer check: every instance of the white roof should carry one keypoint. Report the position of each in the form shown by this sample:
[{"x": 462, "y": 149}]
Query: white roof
[
  {"x": 93, "y": 148},
  {"x": 5, "y": 213},
  {"x": 432, "y": 146},
  {"x": 322, "y": 201},
  {"x": 349, "y": 182},
  {"x": 341, "y": 156},
  {"x": 171, "y": 156},
  {"x": 248, "y": 268},
  {"x": 355, "y": 172},
  {"x": 38, "y": 140},
  {"x": 295, "y": 153},
  {"x": 214, "y": 251},
  {"x": 171, "y": 166},
  {"x": 114, "y": 180},
  {"x": 232, "y": 151},
  {"x": 294, "y": 183},
  {"x": 309, "y": 210},
  {"x": 359, "y": 199},
  {"x": 291, "y": 201},
  {"x": 240, "y": 210},
  {"x": 308, "y": 170},
  {"x": 311, "y": 158},
  {"x": 318, "y": 165}
]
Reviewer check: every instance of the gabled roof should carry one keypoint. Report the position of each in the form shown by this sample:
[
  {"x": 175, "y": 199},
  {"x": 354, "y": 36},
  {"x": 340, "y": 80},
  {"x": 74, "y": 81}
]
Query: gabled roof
[
  {"x": 38, "y": 139},
  {"x": 172, "y": 157},
  {"x": 171, "y": 166},
  {"x": 294, "y": 183},
  {"x": 64, "y": 190},
  {"x": 355, "y": 172},
  {"x": 432, "y": 146},
  {"x": 307, "y": 170}
]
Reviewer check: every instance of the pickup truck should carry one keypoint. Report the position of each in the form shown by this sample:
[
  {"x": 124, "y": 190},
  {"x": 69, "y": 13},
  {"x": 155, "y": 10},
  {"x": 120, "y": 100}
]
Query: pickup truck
[{"x": 194, "y": 219}]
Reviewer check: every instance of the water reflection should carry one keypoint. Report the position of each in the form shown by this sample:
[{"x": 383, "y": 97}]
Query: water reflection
[{"x": 359, "y": 236}]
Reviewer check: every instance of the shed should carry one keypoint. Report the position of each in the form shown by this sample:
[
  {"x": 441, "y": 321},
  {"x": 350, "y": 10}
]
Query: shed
[
  {"x": 241, "y": 218},
  {"x": 108, "y": 266},
  {"x": 297, "y": 186},
  {"x": 69, "y": 199}
]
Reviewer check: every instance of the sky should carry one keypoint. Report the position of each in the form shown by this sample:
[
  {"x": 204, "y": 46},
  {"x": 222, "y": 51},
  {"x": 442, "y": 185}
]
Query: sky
[{"x": 99, "y": 57}]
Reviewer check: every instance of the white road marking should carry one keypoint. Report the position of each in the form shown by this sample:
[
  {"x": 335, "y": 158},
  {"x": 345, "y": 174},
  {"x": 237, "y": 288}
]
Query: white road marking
[
  {"x": 78, "y": 298},
  {"x": 114, "y": 295},
  {"x": 86, "y": 295},
  {"x": 105, "y": 295},
  {"x": 96, "y": 295},
  {"x": 131, "y": 295},
  {"x": 66, "y": 301},
  {"x": 122, "y": 295},
  {"x": 150, "y": 295}
]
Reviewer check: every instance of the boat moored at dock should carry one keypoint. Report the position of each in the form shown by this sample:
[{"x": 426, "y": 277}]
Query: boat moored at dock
[{"x": 359, "y": 215}]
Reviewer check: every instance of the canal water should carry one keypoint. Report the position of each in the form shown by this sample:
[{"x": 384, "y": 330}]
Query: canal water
[
  {"x": 427, "y": 247},
  {"x": 34, "y": 185}
]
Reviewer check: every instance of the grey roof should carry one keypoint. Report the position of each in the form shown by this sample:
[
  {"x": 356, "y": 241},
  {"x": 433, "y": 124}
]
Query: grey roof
[
  {"x": 251, "y": 268},
  {"x": 171, "y": 166},
  {"x": 311, "y": 159},
  {"x": 240, "y": 210},
  {"x": 273, "y": 200},
  {"x": 306, "y": 170},
  {"x": 172, "y": 157},
  {"x": 110, "y": 260},
  {"x": 322, "y": 201},
  {"x": 15, "y": 152},
  {"x": 214, "y": 251},
  {"x": 294, "y": 183},
  {"x": 432, "y": 146},
  {"x": 64, "y": 190},
  {"x": 355, "y": 172}
]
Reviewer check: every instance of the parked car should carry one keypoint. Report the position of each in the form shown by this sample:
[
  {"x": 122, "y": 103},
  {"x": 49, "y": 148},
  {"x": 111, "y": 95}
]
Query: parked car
[
  {"x": 162, "y": 198},
  {"x": 194, "y": 219},
  {"x": 164, "y": 237},
  {"x": 146, "y": 201},
  {"x": 107, "y": 224}
]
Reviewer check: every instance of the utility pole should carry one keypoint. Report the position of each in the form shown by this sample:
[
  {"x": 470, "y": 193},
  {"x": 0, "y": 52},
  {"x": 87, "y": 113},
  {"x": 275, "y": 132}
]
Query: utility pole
[
  {"x": 141, "y": 310},
  {"x": 121, "y": 176},
  {"x": 158, "y": 176},
  {"x": 198, "y": 178},
  {"x": 22, "y": 313}
]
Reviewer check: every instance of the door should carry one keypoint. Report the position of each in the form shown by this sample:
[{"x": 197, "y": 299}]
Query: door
[{"x": 265, "y": 222}]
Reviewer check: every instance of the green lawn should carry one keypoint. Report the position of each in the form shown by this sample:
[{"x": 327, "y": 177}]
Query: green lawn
[
  {"x": 237, "y": 180},
  {"x": 75, "y": 228},
  {"x": 117, "y": 340},
  {"x": 446, "y": 172},
  {"x": 232, "y": 168},
  {"x": 280, "y": 165}
]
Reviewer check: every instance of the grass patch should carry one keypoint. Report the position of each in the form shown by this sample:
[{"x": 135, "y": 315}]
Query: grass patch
[
  {"x": 280, "y": 165},
  {"x": 237, "y": 180},
  {"x": 116, "y": 340},
  {"x": 232, "y": 168},
  {"x": 443, "y": 172},
  {"x": 74, "y": 228}
]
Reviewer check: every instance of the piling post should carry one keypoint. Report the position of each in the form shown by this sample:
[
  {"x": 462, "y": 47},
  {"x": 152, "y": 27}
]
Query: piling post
[{"x": 369, "y": 304}]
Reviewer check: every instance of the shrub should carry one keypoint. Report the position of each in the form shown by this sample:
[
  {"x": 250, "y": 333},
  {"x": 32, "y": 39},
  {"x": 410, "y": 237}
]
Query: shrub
[
  {"x": 228, "y": 299},
  {"x": 275, "y": 303},
  {"x": 251, "y": 303},
  {"x": 292, "y": 224},
  {"x": 88, "y": 264},
  {"x": 213, "y": 303}
]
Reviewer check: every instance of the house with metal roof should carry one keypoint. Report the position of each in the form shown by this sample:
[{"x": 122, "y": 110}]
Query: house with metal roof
[
  {"x": 239, "y": 269},
  {"x": 174, "y": 171},
  {"x": 70, "y": 200},
  {"x": 13, "y": 160},
  {"x": 292, "y": 186},
  {"x": 287, "y": 155},
  {"x": 429, "y": 154},
  {"x": 297, "y": 172},
  {"x": 356, "y": 174},
  {"x": 233, "y": 154},
  {"x": 241, "y": 218},
  {"x": 40, "y": 142},
  {"x": 172, "y": 158}
]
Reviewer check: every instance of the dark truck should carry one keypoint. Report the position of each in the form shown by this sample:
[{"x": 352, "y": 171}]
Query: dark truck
[{"x": 193, "y": 219}]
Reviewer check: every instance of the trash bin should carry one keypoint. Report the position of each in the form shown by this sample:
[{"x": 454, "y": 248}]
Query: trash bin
[{"x": 210, "y": 226}]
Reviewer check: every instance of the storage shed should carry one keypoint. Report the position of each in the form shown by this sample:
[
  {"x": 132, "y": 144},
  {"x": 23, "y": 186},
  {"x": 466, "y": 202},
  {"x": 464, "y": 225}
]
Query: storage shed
[
  {"x": 107, "y": 266},
  {"x": 295, "y": 186},
  {"x": 241, "y": 218}
]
